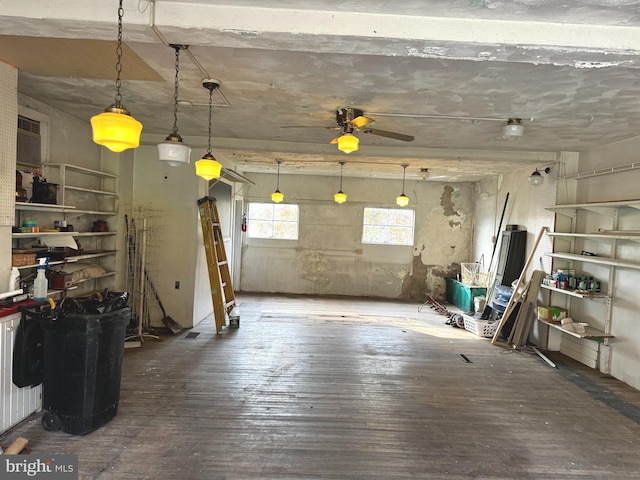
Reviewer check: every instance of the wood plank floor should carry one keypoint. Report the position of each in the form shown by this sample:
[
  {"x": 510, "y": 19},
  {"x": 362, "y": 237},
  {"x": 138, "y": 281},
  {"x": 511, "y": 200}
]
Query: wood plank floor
[{"x": 311, "y": 388}]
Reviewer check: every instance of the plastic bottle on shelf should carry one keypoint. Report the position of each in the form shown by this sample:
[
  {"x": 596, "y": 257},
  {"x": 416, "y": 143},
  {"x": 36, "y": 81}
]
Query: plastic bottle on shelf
[
  {"x": 14, "y": 279},
  {"x": 41, "y": 284}
]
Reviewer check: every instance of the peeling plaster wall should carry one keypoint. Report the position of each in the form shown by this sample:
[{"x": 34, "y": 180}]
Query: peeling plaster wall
[{"x": 329, "y": 258}]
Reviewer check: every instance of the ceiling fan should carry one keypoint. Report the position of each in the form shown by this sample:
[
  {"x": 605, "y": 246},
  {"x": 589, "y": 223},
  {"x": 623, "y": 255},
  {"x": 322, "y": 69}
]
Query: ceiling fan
[{"x": 350, "y": 120}]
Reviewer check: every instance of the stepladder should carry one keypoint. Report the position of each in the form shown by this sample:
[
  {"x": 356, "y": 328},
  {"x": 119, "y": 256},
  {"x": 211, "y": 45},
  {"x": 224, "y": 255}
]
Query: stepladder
[{"x": 217, "y": 264}]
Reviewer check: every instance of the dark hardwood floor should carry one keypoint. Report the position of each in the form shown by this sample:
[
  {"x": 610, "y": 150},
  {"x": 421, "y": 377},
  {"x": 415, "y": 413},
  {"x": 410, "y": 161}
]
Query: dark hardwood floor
[{"x": 311, "y": 388}]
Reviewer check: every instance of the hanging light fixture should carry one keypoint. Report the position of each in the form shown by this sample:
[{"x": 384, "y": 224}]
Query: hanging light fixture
[
  {"x": 172, "y": 150},
  {"x": 208, "y": 167},
  {"x": 513, "y": 130},
  {"x": 403, "y": 200},
  {"x": 340, "y": 197},
  {"x": 277, "y": 196},
  {"x": 536, "y": 177},
  {"x": 348, "y": 142},
  {"x": 115, "y": 128}
]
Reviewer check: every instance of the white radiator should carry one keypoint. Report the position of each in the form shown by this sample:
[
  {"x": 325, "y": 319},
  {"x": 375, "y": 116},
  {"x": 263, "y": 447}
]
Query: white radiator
[{"x": 16, "y": 404}]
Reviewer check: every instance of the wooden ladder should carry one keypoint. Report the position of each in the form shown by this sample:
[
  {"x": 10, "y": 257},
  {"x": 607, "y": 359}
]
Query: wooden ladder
[{"x": 219, "y": 275}]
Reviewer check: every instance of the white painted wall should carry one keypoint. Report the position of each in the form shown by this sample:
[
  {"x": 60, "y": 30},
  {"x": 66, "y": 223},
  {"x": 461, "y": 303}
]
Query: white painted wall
[
  {"x": 329, "y": 258},
  {"x": 172, "y": 194}
]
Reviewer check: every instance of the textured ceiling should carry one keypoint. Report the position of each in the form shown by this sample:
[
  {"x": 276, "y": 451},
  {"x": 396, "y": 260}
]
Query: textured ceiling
[{"x": 570, "y": 72}]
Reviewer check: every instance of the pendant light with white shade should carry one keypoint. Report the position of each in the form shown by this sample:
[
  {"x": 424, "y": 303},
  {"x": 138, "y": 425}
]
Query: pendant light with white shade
[
  {"x": 208, "y": 167},
  {"x": 172, "y": 150},
  {"x": 115, "y": 128},
  {"x": 403, "y": 200}
]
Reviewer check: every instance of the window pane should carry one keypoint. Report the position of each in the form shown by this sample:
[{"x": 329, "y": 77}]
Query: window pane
[
  {"x": 285, "y": 230},
  {"x": 260, "y": 229},
  {"x": 269, "y": 220},
  {"x": 260, "y": 211},
  {"x": 389, "y": 226}
]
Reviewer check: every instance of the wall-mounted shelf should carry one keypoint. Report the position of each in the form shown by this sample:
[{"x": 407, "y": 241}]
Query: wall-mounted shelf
[
  {"x": 596, "y": 226},
  {"x": 590, "y": 333},
  {"x": 577, "y": 294},
  {"x": 53, "y": 234},
  {"x": 610, "y": 262},
  {"x": 75, "y": 258},
  {"x": 82, "y": 195}
]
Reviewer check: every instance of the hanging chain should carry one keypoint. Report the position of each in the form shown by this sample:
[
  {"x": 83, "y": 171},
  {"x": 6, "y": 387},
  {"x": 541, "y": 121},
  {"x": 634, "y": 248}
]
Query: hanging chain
[
  {"x": 119, "y": 54},
  {"x": 210, "y": 105},
  {"x": 341, "y": 165},
  {"x": 175, "y": 92},
  {"x": 404, "y": 171},
  {"x": 278, "y": 177}
]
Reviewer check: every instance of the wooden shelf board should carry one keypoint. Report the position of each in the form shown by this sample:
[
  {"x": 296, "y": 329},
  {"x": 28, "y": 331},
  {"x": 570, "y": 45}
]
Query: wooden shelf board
[
  {"x": 90, "y": 190},
  {"x": 75, "y": 258},
  {"x": 76, "y": 168},
  {"x": 590, "y": 333},
  {"x": 49, "y": 234}
]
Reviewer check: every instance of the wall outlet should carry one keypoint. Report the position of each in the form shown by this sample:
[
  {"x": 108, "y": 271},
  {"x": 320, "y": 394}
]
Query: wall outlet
[{"x": 177, "y": 285}]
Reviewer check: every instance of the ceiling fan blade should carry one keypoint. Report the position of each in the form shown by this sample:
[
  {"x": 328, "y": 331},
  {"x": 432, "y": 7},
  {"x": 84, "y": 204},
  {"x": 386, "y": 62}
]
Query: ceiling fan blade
[
  {"x": 385, "y": 133},
  {"x": 310, "y": 126},
  {"x": 361, "y": 121}
]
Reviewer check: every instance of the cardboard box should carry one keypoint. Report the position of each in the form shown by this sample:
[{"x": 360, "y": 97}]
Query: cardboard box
[{"x": 552, "y": 314}]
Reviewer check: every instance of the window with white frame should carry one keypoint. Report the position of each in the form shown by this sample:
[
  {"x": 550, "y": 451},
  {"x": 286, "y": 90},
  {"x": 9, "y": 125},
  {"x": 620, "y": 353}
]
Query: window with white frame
[
  {"x": 388, "y": 226},
  {"x": 272, "y": 220}
]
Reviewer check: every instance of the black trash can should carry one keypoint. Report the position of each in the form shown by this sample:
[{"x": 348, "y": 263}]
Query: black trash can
[{"x": 83, "y": 355}]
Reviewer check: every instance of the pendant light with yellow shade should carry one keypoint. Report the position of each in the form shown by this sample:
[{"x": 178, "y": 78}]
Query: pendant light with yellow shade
[
  {"x": 115, "y": 128},
  {"x": 208, "y": 167}
]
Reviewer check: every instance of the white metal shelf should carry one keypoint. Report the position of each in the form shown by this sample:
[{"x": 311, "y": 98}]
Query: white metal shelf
[
  {"x": 590, "y": 333},
  {"x": 598, "y": 236},
  {"x": 611, "y": 262},
  {"x": 573, "y": 293},
  {"x": 603, "y": 208}
]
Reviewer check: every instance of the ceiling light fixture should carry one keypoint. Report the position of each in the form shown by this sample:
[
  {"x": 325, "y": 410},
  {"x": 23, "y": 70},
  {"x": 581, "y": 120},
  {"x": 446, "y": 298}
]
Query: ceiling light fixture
[
  {"x": 424, "y": 173},
  {"x": 340, "y": 197},
  {"x": 208, "y": 167},
  {"x": 277, "y": 196},
  {"x": 513, "y": 130},
  {"x": 403, "y": 200},
  {"x": 115, "y": 128},
  {"x": 348, "y": 142},
  {"x": 536, "y": 177},
  {"x": 172, "y": 150}
]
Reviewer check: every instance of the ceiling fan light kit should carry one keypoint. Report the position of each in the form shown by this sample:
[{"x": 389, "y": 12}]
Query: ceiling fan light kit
[
  {"x": 173, "y": 150},
  {"x": 115, "y": 128},
  {"x": 513, "y": 130},
  {"x": 208, "y": 167},
  {"x": 348, "y": 143}
]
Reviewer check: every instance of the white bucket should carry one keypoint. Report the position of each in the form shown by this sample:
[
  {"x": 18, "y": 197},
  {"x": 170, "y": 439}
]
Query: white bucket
[{"x": 479, "y": 303}]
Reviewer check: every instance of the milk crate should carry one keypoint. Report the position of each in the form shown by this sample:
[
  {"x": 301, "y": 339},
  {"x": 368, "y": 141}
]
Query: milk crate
[{"x": 482, "y": 328}]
